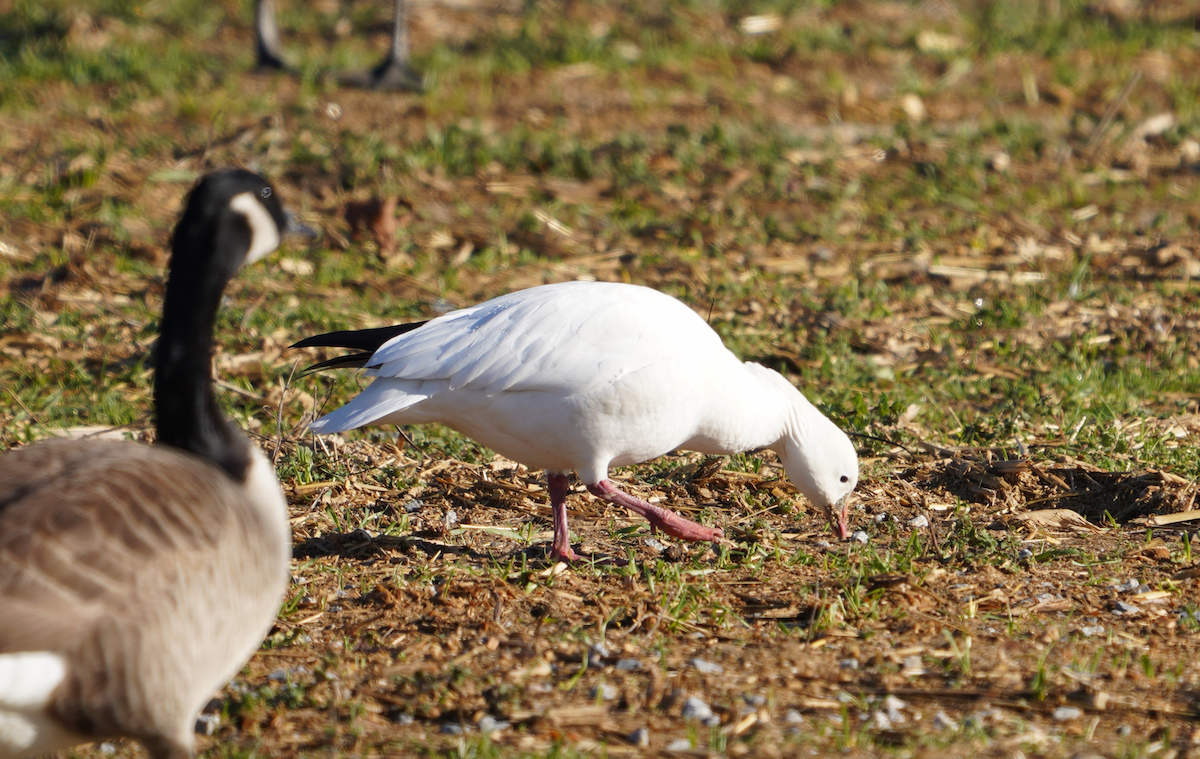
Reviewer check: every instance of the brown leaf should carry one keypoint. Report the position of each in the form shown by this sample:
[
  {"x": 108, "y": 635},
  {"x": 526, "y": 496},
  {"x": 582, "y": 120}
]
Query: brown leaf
[{"x": 1056, "y": 519}]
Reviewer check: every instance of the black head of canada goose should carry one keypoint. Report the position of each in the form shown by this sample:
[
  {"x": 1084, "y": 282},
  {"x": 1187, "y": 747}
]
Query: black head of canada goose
[{"x": 136, "y": 580}]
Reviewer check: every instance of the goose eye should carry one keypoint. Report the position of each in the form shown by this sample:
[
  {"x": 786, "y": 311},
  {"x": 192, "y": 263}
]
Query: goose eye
[
  {"x": 845, "y": 478},
  {"x": 266, "y": 193}
]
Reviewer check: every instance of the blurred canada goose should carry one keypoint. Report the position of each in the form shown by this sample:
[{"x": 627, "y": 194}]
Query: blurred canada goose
[
  {"x": 588, "y": 375},
  {"x": 135, "y": 580},
  {"x": 394, "y": 72}
]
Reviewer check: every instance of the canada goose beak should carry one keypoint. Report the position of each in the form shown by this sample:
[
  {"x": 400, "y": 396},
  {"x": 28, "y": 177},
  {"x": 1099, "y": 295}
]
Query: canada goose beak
[{"x": 297, "y": 227}]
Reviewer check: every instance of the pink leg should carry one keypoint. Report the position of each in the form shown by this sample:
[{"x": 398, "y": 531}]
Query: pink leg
[
  {"x": 560, "y": 550},
  {"x": 661, "y": 518}
]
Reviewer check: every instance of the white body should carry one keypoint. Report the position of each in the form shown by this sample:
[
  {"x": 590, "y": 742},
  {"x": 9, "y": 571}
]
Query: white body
[{"x": 589, "y": 375}]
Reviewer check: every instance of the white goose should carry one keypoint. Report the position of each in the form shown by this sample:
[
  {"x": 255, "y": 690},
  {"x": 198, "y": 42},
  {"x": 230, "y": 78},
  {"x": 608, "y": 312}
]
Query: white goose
[
  {"x": 585, "y": 376},
  {"x": 136, "y": 580}
]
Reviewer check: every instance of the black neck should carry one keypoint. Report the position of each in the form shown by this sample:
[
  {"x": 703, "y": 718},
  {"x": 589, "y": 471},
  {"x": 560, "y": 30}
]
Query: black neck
[{"x": 186, "y": 407}]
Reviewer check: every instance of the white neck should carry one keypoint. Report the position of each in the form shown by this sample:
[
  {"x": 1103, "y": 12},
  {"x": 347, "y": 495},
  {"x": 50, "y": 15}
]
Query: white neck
[{"x": 755, "y": 407}]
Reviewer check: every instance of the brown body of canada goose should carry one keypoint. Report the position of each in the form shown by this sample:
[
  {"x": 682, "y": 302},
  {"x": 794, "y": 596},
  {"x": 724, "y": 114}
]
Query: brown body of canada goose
[{"x": 135, "y": 580}]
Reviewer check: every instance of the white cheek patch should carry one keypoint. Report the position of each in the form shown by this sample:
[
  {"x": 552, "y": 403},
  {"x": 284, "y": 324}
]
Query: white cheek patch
[{"x": 264, "y": 232}]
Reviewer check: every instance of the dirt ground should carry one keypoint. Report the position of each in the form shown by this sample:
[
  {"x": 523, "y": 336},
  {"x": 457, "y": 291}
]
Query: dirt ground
[{"x": 404, "y": 643}]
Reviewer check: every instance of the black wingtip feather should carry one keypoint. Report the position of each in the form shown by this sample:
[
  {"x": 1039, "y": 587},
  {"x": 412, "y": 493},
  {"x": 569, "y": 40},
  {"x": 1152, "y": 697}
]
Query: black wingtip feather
[
  {"x": 356, "y": 339},
  {"x": 349, "y": 361}
]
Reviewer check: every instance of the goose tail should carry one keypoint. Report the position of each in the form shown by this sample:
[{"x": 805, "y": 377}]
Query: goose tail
[
  {"x": 365, "y": 341},
  {"x": 349, "y": 361},
  {"x": 369, "y": 340},
  {"x": 382, "y": 402}
]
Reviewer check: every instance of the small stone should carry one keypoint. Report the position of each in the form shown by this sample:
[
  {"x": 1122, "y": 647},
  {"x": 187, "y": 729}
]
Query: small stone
[
  {"x": 754, "y": 699},
  {"x": 913, "y": 107},
  {"x": 654, "y": 545},
  {"x": 894, "y": 706},
  {"x": 1189, "y": 149},
  {"x": 597, "y": 654},
  {"x": 679, "y": 744},
  {"x": 450, "y": 728},
  {"x": 918, "y": 522},
  {"x": 1067, "y": 713},
  {"x": 848, "y": 663},
  {"x": 489, "y": 724},
  {"x": 1091, "y": 630},
  {"x": 403, "y": 719},
  {"x": 695, "y": 708},
  {"x": 1000, "y": 161},
  {"x": 1124, "y": 731},
  {"x": 639, "y": 737},
  {"x": 942, "y": 721},
  {"x": 106, "y": 748},
  {"x": 1099, "y": 700},
  {"x": 706, "y": 667},
  {"x": 278, "y": 676},
  {"x": 1024, "y": 554},
  {"x": 793, "y": 717},
  {"x": 881, "y": 517},
  {"x": 413, "y": 506},
  {"x": 605, "y": 692},
  {"x": 207, "y": 724},
  {"x": 913, "y": 666},
  {"x": 1120, "y": 607},
  {"x": 860, "y": 537},
  {"x": 1128, "y": 586},
  {"x": 451, "y": 517},
  {"x": 628, "y": 665}
]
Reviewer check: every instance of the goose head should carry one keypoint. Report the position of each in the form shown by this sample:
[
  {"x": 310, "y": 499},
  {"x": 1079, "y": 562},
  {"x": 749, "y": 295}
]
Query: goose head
[
  {"x": 233, "y": 218},
  {"x": 821, "y": 462}
]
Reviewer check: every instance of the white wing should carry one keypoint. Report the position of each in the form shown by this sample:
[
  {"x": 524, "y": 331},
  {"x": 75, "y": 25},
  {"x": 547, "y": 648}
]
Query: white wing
[{"x": 566, "y": 338}]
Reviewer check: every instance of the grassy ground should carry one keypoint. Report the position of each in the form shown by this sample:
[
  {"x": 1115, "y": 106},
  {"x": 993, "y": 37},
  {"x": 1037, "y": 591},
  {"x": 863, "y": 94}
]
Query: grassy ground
[{"x": 969, "y": 229}]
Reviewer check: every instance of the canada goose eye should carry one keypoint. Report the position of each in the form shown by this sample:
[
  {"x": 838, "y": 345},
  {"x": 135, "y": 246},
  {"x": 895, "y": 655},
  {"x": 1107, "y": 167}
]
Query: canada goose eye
[
  {"x": 265, "y": 193},
  {"x": 845, "y": 478}
]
